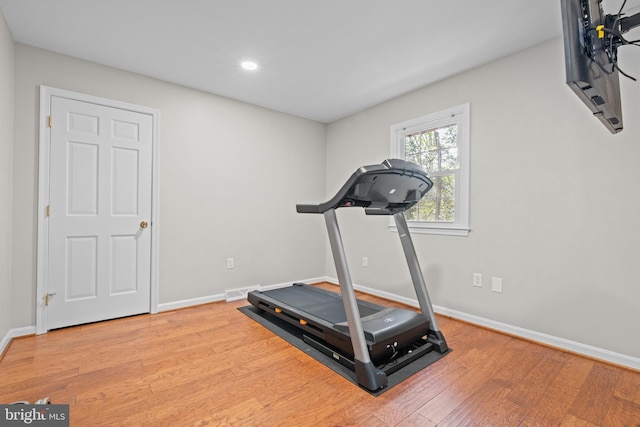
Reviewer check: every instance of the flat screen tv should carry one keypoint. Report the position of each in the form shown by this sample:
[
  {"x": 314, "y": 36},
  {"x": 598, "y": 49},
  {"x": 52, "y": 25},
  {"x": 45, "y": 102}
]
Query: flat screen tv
[{"x": 590, "y": 59}]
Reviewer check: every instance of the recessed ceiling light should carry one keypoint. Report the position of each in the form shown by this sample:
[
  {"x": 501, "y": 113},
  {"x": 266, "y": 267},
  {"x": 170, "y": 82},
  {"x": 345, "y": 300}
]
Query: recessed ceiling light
[{"x": 249, "y": 65}]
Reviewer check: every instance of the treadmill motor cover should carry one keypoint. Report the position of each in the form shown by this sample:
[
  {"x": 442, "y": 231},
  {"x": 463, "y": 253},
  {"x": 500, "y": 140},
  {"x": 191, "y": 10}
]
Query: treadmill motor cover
[{"x": 389, "y": 324}]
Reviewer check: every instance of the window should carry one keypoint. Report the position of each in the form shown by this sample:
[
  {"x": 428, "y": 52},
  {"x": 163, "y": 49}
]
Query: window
[{"x": 438, "y": 142}]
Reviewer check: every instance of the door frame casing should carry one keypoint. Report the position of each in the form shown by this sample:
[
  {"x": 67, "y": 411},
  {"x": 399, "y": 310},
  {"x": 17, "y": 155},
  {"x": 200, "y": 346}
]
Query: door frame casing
[{"x": 44, "y": 138}]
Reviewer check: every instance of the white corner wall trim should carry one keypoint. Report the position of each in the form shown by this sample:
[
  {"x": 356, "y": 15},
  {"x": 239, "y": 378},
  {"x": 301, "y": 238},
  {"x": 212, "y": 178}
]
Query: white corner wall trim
[
  {"x": 561, "y": 343},
  {"x": 15, "y": 333}
]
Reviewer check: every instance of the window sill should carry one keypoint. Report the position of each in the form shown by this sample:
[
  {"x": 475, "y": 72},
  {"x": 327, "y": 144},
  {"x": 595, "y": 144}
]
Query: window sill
[{"x": 443, "y": 231}]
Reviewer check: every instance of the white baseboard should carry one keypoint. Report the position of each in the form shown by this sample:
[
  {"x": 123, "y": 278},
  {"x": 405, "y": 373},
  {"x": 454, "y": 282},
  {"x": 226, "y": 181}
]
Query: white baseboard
[
  {"x": 175, "y": 305},
  {"x": 561, "y": 343},
  {"x": 4, "y": 343},
  {"x": 307, "y": 281},
  {"x": 15, "y": 333}
]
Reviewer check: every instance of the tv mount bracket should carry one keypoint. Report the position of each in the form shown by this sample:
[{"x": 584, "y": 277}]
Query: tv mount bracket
[{"x": 623, "y": 25}]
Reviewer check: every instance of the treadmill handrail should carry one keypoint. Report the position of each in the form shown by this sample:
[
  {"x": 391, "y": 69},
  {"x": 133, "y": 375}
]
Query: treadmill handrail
[{"x": 351, "y": 195}]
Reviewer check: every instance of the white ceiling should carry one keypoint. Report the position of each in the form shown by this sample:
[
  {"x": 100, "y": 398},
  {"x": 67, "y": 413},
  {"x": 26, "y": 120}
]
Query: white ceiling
[{"x": 319, "y": 59}]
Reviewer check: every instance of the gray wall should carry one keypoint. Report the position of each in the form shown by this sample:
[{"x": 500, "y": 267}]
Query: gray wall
[
  {"x": 554, "y": 203},
  {"x": 230, "y": 176},
  {"x": 6, "y": 171},
  {"x": 553, "y": 199}
]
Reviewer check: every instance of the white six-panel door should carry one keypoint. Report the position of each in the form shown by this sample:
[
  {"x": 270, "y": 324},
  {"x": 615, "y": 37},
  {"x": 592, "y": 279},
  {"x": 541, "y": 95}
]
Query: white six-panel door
[{"x": 99, "y": 230}]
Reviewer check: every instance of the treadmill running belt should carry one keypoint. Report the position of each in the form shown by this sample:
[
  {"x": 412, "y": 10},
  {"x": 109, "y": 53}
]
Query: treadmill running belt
[{"x": 319, "y": 303}]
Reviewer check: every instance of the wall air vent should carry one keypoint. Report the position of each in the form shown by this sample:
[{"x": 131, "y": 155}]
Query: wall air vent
[{"x": 238, "y": 294}]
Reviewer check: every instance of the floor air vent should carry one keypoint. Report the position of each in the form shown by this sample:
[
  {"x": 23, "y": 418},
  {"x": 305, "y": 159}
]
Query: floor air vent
[{"x": 237, "y": 294}]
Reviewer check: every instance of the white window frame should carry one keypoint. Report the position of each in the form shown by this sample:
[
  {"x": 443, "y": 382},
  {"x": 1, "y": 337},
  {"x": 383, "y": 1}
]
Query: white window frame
[{"x": 456, "y": 115}]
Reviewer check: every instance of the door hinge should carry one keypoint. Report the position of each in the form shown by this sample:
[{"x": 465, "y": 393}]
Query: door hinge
[
  {"x": 46, "y": 298},
  {"x": 49, "y": 121},
  {"x": 48, "y": 211}
]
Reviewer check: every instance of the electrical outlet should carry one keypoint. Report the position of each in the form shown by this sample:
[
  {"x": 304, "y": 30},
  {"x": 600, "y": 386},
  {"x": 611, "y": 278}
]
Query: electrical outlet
[
  {"x": 496, "y": 284},
  {"x": 477, "y": 280},
  {"x": 365, "y": 261},
  {"x": 229, "y": 263}
]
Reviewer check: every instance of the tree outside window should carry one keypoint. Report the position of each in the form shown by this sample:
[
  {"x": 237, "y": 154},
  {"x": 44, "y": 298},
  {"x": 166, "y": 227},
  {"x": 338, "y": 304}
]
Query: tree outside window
[{"x": 439, "y": 143}]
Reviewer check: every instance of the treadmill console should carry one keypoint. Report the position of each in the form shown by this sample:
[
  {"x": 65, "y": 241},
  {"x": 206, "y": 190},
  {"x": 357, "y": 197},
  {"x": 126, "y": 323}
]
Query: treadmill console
[{"x": 393, "y": 186}]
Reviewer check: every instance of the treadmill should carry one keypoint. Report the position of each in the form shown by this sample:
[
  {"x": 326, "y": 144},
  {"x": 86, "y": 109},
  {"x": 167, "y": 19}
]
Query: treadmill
[{"x": 372, "y": 340}]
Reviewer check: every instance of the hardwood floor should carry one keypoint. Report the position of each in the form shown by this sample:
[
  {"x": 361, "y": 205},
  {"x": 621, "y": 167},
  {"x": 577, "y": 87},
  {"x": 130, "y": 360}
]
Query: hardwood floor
[{"x": 212, "y": 365}]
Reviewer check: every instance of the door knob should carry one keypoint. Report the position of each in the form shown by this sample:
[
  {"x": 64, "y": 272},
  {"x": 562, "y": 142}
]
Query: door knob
[{"x": 144, "y": 224}]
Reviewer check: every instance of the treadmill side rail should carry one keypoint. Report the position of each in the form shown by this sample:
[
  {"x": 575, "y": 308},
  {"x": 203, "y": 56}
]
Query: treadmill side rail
[{"x": 366, "y": 373}]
